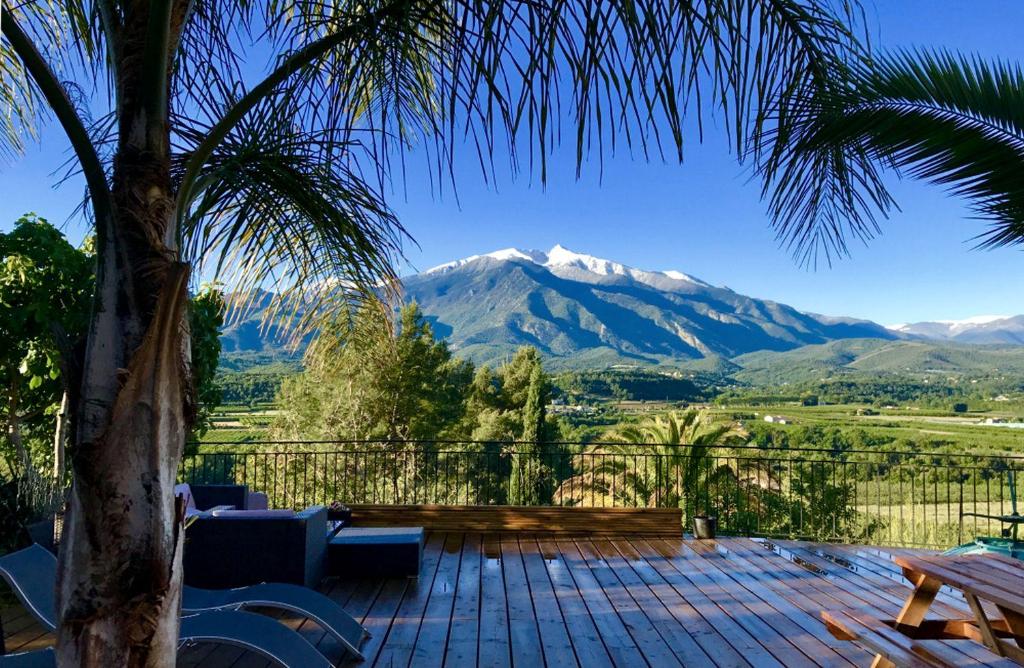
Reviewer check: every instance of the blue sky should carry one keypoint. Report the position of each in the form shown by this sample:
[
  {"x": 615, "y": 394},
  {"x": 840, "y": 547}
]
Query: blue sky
[{"x": 703, "y": 217}]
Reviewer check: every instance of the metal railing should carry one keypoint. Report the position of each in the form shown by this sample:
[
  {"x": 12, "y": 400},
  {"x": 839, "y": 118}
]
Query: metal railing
[{"x": 871, "y": 496}]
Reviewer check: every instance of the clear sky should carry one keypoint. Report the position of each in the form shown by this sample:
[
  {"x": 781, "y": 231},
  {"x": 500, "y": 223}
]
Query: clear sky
[{"x": 703, "y": 218}]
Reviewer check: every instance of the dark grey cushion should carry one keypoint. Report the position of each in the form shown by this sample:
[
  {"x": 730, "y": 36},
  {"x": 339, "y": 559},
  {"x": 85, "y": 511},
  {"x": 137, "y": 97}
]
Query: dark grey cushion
[{"x": 379, "y": 536}]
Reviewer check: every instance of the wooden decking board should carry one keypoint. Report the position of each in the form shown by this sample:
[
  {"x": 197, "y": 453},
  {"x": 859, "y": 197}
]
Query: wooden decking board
[
  {"x": 706, "y": 632},
  {"x": 540, "y": 600},
  {"x": 437, "y": 618},
  {"x": 737, "y": 637},
  {"x": 677, "y": 636},
  {"x": 792, "y": 623},
  {"x": 729, "y": 596},
  {"x": 884, "y": 568},
  {"x": 861, "y": 595},
  {"x": 815, "y": 592},
  {"x": 620, "y": 644},
  {"x": 462, "y": 642},
  {"x": 494, "y": 645},
  {"x": 892, "y": 591},
  {"x": 554, "y": 638},
  {"x": 798, "y": 603},
  {"x": 646, "y": 636},
  {"x": 587, "y": 643},
  {"x": 522, "y": 618},
  {"x": 405, "y": 626}
]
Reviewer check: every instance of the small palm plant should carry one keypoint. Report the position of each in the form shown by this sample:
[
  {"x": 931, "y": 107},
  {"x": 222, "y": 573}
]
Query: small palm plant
[{"x": 663, "y": 462}]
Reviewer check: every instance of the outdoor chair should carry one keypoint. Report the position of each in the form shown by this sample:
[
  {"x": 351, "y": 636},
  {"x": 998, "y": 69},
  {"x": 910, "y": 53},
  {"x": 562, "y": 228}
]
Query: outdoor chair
[
  {"x": 255, "y": 633},
  {"x": 32, "y": 574},
  {"x": 40, "y": 658}
]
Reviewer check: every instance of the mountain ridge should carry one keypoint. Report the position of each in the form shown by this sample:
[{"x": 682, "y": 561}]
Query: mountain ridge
[{"x": 582, "y": 311}]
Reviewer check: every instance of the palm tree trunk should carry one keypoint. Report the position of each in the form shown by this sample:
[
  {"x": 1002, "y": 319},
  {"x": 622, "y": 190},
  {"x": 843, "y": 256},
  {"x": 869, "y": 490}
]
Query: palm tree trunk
[{"x": 120, "y": 571}]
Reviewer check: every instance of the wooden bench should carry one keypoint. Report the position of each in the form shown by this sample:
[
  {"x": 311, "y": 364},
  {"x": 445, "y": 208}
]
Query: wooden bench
[
  {"x": 530, "y": 519},
  {"x": 897, "y": 649}
]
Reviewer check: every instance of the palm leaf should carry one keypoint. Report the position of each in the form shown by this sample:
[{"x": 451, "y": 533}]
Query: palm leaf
[{"x": 944, "y": 118}]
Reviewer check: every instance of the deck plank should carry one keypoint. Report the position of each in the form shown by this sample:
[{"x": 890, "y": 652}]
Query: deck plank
[
  {"x": 522, "y": 618},
  {"x": 437, "y": 618},
  {"x": 405, "y": 626},
  {"x": 554, "y": 635},
  {"x": 676, "y": 636},
  {"x": 653, "y": 646},
  {"x": 710, "y": 631},
  {"x": 590, "y": 649},
  {"x": 540, "y": 600},
  {"x": 727, "y": 596},
  {"x": 796, "y": 626},
  {"x": 465, "y": 627},
  {"x": 494, "y": 646}
]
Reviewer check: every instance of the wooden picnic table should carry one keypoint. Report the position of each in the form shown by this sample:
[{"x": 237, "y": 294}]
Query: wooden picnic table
[{"x": 993, "y": 587}]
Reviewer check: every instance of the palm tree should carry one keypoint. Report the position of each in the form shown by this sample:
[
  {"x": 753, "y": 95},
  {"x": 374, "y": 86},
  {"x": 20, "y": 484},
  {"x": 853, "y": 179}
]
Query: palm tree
[
  {"x": 945, "y": 118},
  {"x": 662, "y": 462},
  {"x": 276, "y": 178}
]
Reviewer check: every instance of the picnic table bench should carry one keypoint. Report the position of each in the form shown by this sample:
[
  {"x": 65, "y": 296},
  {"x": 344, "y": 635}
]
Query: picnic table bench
[{"x": 992, "y": 586}]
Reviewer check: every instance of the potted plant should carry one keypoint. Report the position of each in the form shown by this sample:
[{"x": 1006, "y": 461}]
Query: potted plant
[{"x": 704, "y": 526}]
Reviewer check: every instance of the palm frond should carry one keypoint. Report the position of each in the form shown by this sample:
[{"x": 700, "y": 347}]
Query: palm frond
[
  {"x": 68, "y": 35},
  {"x": 280, "y": 210},
  {"x": 948, "y": 119}
]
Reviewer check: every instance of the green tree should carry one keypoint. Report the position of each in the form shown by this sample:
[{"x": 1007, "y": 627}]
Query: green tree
[
  {"x": 665, "y": 461},
  {"x": 531, "y": 462},
  {"x": 942, "y": 117},
  {"x": 45, "y": 286},
  {"x": 278, "y": 179},
  {"x": 206, "y": 317},
  {"x": 365, "y": 380}
]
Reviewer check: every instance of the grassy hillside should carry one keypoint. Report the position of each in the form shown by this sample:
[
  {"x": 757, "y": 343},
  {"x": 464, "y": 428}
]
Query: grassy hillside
[{"x": 861, "y": 358}]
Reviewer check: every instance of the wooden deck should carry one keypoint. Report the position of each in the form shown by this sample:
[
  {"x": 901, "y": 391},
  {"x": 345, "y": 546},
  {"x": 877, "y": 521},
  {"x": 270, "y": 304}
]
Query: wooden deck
[{"x": 533, "y": 600}]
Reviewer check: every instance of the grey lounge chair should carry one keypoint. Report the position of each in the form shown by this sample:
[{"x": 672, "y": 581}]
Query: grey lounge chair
[
  {"x": 293, "y": 598},
  {"x": 32, "y": 574},
  {"x": 255, "y": 633},
  {"x": 40, "y": 658}
]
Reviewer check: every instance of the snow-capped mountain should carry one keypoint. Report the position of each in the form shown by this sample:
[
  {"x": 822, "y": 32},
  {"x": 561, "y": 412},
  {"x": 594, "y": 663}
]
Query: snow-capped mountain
[
  {"x": 979, "y": 329},
  {"x": 563, "y": 262},
  {"x": 587, "y": 310}
]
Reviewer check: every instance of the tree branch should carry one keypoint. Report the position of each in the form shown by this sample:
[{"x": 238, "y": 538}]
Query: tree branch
[
  {"x": 57, "y": 98},
  {"x": 292, "y": 64}
]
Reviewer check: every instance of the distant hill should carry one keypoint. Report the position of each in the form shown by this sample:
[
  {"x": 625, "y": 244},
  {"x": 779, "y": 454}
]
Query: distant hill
[
  {"x": 586, "y": 312},
  {"x": 993, "y": 329},
  {"x": 875, "y": 357}
]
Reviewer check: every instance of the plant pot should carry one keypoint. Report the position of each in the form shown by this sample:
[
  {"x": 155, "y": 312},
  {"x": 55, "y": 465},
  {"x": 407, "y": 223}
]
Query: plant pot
[
  {"x": 704, "y": 527},
  {"x": 342, "y": 514}
]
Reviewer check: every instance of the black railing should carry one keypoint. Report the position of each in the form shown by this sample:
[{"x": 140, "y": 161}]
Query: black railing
[{"x": 884, "y": 497}]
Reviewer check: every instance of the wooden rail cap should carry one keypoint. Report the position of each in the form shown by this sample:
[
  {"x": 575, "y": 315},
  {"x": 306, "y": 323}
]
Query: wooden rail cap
[{"x": 531, "y": 519}]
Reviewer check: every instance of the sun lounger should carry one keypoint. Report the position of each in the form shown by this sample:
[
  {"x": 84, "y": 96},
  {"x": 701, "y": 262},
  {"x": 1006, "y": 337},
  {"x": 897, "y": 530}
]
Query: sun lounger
[
  {"x": 40, "y": 658},
  {"x": 32, "y": 574},
  {"x": 282, "y": 596}
]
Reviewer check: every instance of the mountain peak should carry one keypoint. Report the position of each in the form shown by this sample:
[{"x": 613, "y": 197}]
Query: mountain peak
[{"x": 560, "y": 260}]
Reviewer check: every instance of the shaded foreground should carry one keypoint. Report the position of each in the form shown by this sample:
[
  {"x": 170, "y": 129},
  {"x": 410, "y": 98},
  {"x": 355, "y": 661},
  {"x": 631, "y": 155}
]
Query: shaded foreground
[{"x": 535, "y": 600}]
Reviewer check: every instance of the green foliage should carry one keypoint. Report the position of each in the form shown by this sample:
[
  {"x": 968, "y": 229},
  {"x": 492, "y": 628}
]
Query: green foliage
[
  {"x": 206, "y": 317},
  {"x": 942, "y": 117},
  {"x": 365, "y": 381},
  {"x": 45, "y": 291},
  {"x": 633, "y": 384},
  {"x": 669, "y": 469}
]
